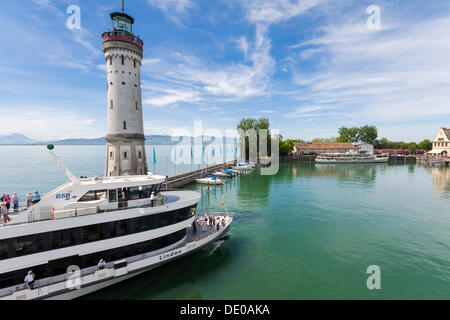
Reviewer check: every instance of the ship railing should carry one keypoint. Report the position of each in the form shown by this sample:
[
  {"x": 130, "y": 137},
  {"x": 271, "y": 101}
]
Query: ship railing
[{"x": 46, "y": 213}]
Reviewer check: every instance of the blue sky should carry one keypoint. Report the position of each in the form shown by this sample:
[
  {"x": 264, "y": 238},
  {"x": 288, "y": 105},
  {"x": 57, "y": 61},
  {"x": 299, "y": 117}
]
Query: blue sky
[{"x": 310, "y": 66}]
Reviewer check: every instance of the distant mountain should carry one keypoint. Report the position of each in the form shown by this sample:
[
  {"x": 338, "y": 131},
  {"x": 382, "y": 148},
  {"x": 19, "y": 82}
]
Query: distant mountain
[
  {"x": 20, "y": 139},
  {"x": 80, "y": 141},
  {"x": 16, "y": 138}
]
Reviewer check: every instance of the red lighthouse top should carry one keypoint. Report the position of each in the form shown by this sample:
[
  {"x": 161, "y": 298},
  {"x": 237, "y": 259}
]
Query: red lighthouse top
[{"x": 122, "y": 29}]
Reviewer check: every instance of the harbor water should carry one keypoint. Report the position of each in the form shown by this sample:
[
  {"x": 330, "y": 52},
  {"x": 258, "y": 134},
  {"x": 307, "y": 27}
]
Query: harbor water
[{"x": 308, "y": 232}]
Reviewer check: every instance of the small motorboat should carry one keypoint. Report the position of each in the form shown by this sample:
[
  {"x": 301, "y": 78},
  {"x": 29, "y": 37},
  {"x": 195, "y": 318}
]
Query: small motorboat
[
  {"x": 223, "y": 174},
  {"x": 209, "y": 179}
]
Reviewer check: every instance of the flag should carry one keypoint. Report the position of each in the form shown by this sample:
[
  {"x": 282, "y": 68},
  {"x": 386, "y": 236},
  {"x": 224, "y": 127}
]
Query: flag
[
  {"x": 223, "y": 205},
  {"x": 154, "y": 155}
]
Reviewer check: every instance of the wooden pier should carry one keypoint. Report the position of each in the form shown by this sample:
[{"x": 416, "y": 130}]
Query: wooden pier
[
  {"x": 430, "y": 162},
  {"x": 189, "y": 177}
]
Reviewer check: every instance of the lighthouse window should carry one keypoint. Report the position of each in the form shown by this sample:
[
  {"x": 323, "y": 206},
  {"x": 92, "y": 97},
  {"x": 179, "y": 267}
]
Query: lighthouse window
[
  {"x": 123, "y": 83},
  {"x": 111, "y": 106},
  {"x": 125, "y": 155},
  {"x": 137, "y": 106},
  {"x": 134, "y": 63},
  {"x": 123, "y": 59},
  {"x": 110, "y": 60},
  {"x": 139, "y": 155},
  {"x": 125, "y": 126}
]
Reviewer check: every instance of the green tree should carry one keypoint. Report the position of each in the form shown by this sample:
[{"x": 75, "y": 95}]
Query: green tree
[
  {"x": 426, "y": 145},
  {"x": 412, "y": 146},
  {"x": 250, "y": 123},
  {"x": 319, "y": 140},
  {"x": 348, "y": 134},
  {"x": 286, "y": 147},
  {"x": 367, "y": 134}
]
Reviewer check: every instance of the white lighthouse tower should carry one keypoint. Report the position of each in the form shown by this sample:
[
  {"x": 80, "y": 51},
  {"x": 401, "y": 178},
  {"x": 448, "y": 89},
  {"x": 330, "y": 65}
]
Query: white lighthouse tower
[{"x": 125, "y": 140}]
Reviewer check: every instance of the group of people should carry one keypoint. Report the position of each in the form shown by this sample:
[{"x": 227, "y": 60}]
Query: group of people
[
  {"x": 6, "y": 202},
  {"x": 208, "y": 220}
]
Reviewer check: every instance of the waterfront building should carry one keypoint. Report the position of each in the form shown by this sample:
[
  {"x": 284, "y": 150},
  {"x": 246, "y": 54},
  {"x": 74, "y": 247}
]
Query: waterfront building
[
  {"x": 327, "y": 147},
  {"x": 125, "y": 149},
  {"x": 441, "y": 144}
]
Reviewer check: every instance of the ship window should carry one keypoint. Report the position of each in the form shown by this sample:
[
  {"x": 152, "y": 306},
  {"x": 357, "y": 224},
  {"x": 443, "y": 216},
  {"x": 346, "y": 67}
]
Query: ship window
[
  {"x": 93, "y": 195},
  {"x": 92, "y": 233},
  {"x": 63, "y": 238},
  {"x": 167, "y": 219},
  {"x": 123, "y": 83},
  {"x": 4, "y": 249},
  {"x": 100, "y": 195},
  {"x": 133, "y": 193},
  {"x": 112, "y": 195},
  {"x": 89, "y": 196},
  {"x": 28, "y": 244},
  {"x": 146, "y": 191}
]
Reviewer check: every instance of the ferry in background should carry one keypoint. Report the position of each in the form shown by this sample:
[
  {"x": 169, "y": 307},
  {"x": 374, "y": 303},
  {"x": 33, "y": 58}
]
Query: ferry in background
[{"x": 350, "y": 157}]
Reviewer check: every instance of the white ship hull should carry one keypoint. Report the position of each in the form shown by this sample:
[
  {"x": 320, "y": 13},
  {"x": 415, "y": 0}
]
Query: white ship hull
[
  {"x": 93, "y": 282},
  {"x": 370, "y": 160}
]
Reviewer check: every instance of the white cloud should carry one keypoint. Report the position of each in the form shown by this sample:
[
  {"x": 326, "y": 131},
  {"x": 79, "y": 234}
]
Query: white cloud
[
  {"x": 47, "y": 123},
  {"x": 269, "y": 11},
  {"x": 172, "y": 8},
  {"x": 172, "y": 96},
  {"x": 401, "y": 73}
]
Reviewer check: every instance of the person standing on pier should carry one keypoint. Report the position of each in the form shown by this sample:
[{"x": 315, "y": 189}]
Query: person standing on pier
[
  {"x": 194, "y": 227},
  {"x": 36, "y": 198},
  {"x": 7, "y": 201},
  {"x": 4, "y": 213},
  {"x": 29, "y": 199},
  {"x": 15, "y": 200}
]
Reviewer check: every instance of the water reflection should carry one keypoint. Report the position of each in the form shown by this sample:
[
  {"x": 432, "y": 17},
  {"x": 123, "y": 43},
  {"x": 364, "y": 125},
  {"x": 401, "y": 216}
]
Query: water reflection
[
  {"x": 441, "y": 181},
  {"x": 364, "y": 173},
  {"x": 257, "y": 192}
]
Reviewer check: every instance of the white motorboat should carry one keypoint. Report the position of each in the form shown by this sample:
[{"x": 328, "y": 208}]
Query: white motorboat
[{"x": 209, "y": 180}]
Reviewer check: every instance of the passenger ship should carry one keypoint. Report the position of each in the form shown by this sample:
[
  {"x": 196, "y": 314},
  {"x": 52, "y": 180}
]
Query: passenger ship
[
  {"x": 350, "y": 157},
  {"x": 63, "y": 237}
]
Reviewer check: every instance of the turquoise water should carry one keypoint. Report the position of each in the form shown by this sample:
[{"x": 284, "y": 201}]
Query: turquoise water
[{"x": 309, "y": 232}]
